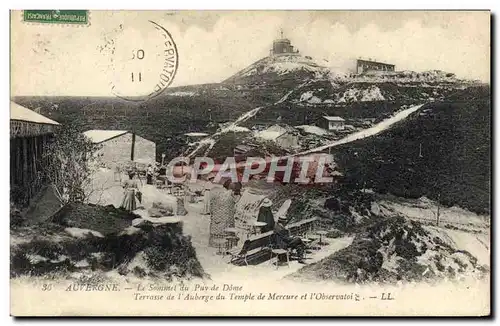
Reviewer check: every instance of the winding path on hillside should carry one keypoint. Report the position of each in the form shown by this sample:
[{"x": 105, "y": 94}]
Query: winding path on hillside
[
  {"x": 372, "y": 131},
  {"x": 211, "y": 140}
]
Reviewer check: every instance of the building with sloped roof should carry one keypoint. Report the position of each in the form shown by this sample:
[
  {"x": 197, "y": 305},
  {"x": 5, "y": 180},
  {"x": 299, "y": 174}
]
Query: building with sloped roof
[
  {"x": 333, "y": 123},
  {"x": 120, "y": 147},
  {"x": 29, "y": 134}
]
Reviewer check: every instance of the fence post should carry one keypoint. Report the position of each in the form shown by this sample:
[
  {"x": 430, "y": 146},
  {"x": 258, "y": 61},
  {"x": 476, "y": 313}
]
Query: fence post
[{"x": 438, "y": 207}]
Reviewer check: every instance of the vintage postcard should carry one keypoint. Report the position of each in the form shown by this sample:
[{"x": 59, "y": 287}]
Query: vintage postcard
[{"x": 250, "y": 163}]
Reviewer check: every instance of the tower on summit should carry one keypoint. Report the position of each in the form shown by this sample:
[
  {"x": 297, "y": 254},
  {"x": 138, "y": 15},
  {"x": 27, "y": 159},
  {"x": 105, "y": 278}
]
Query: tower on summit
[{"x": 282, "y": 46}]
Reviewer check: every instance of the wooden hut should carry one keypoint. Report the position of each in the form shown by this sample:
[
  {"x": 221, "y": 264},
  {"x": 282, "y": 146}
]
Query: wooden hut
[{"x": 29, "y": 132}]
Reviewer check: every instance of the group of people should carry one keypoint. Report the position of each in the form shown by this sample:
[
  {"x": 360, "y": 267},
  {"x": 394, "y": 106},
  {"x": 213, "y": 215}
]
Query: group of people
[{"x": 151, "y": 172}]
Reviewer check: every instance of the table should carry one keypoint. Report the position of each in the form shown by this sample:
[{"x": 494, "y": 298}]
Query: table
[
  {"x": 321, "y": 234},
  {"x": 257, "y": 226},
  {"x": 221, "y": 245}
]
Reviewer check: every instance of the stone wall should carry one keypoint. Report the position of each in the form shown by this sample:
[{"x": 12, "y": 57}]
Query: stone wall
[
  {"x": 117, "y": 151},
  {"x": 145, "y": 150}
]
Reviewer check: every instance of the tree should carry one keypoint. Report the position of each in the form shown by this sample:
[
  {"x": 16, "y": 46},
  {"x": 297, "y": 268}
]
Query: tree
[{"x": 67, "y": 164}]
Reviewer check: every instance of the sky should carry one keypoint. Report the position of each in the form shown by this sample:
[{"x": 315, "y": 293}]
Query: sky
[{"x": 69, "y": 60}]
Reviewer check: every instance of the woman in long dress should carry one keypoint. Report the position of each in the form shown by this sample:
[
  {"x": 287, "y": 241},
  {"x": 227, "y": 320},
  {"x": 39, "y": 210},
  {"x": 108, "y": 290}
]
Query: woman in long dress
[
  {"x": 206, "y": 197},
  {"x": 223, "y": 211},
  {"x": 182, "y": 200},
  {"x": 130, "y": 187}
]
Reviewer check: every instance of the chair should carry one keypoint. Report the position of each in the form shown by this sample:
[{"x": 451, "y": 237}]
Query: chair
[
  {"x": 314, "y": 244},
  {"x": 277, "y": 249},
  {"x": 277, "y": 253}
]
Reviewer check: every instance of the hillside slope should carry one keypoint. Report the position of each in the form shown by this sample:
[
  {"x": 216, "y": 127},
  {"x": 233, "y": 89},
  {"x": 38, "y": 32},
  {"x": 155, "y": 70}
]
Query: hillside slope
[
  {"x": 391, "y": 250},
  {"x": 276, "y": 69},
  {"x": 444, "y": 153}
]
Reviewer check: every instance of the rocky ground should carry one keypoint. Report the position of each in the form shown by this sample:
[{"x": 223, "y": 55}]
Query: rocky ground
[
  {"x": 397, "y": 249},
  {"x": 85, "y": 238}
]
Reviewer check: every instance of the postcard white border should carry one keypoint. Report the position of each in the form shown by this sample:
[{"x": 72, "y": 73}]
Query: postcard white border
[{"x": 187, "y": 4}]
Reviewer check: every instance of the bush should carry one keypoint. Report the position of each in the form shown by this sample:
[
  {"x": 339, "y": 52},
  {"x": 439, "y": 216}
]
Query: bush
[{"x": 16, "y": 218}]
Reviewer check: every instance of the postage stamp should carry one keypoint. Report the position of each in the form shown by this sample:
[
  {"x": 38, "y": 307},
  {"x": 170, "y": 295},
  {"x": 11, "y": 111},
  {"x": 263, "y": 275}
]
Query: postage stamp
[
  {"x": 77, "y": 17},
  {"x": 264, "y": 163}
]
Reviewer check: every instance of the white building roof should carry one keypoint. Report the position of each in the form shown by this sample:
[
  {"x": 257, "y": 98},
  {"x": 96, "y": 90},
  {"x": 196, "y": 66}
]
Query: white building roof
[
  {"x": 329, "y": 118},
  {"x": 99, "y": 136},
  {"x": 18, "y": 112},
  {"x": 269, "y": 135},
  {"x": 272, "y": 133},
  {"x": 196, "y": 134},
  {"x": 313, "y": 130}
]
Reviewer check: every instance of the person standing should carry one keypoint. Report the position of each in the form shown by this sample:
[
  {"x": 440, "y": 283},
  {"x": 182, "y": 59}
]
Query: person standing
[
  {"x": 188, "y": 194},
  {"x": 182, "y": 200},
  {"x": 223, "y": 210},
  {"x": 266, "y": 215},
  {"x": 117, "y": 173},
  {"x": 206, "y": 196},
  {"x": 181, "y": 209},
  {"x": 131, "y": 189},
  {"x": 150, "y": 174}
]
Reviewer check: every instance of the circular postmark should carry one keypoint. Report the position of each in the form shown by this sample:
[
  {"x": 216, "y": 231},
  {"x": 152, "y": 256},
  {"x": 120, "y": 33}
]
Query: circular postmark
[{"x": 143, "y": 61}]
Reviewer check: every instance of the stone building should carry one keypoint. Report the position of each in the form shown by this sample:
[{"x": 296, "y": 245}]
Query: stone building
[
  {"x": 333, "y": 123},
  {"x": 368, "y": 65},
  {"x": 120, "y": 147},
  {"x": 29, "y": 134},
  {"x": 282, "y": 46}
]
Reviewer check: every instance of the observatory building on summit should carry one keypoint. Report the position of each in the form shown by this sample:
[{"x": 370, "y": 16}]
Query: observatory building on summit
[{"x": 282, "y": 46}]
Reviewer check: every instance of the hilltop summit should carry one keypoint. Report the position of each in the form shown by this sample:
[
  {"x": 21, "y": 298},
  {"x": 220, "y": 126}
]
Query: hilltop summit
[
  {"x": 283, "y": 62},
  {"x": 276, "y": 67}
]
